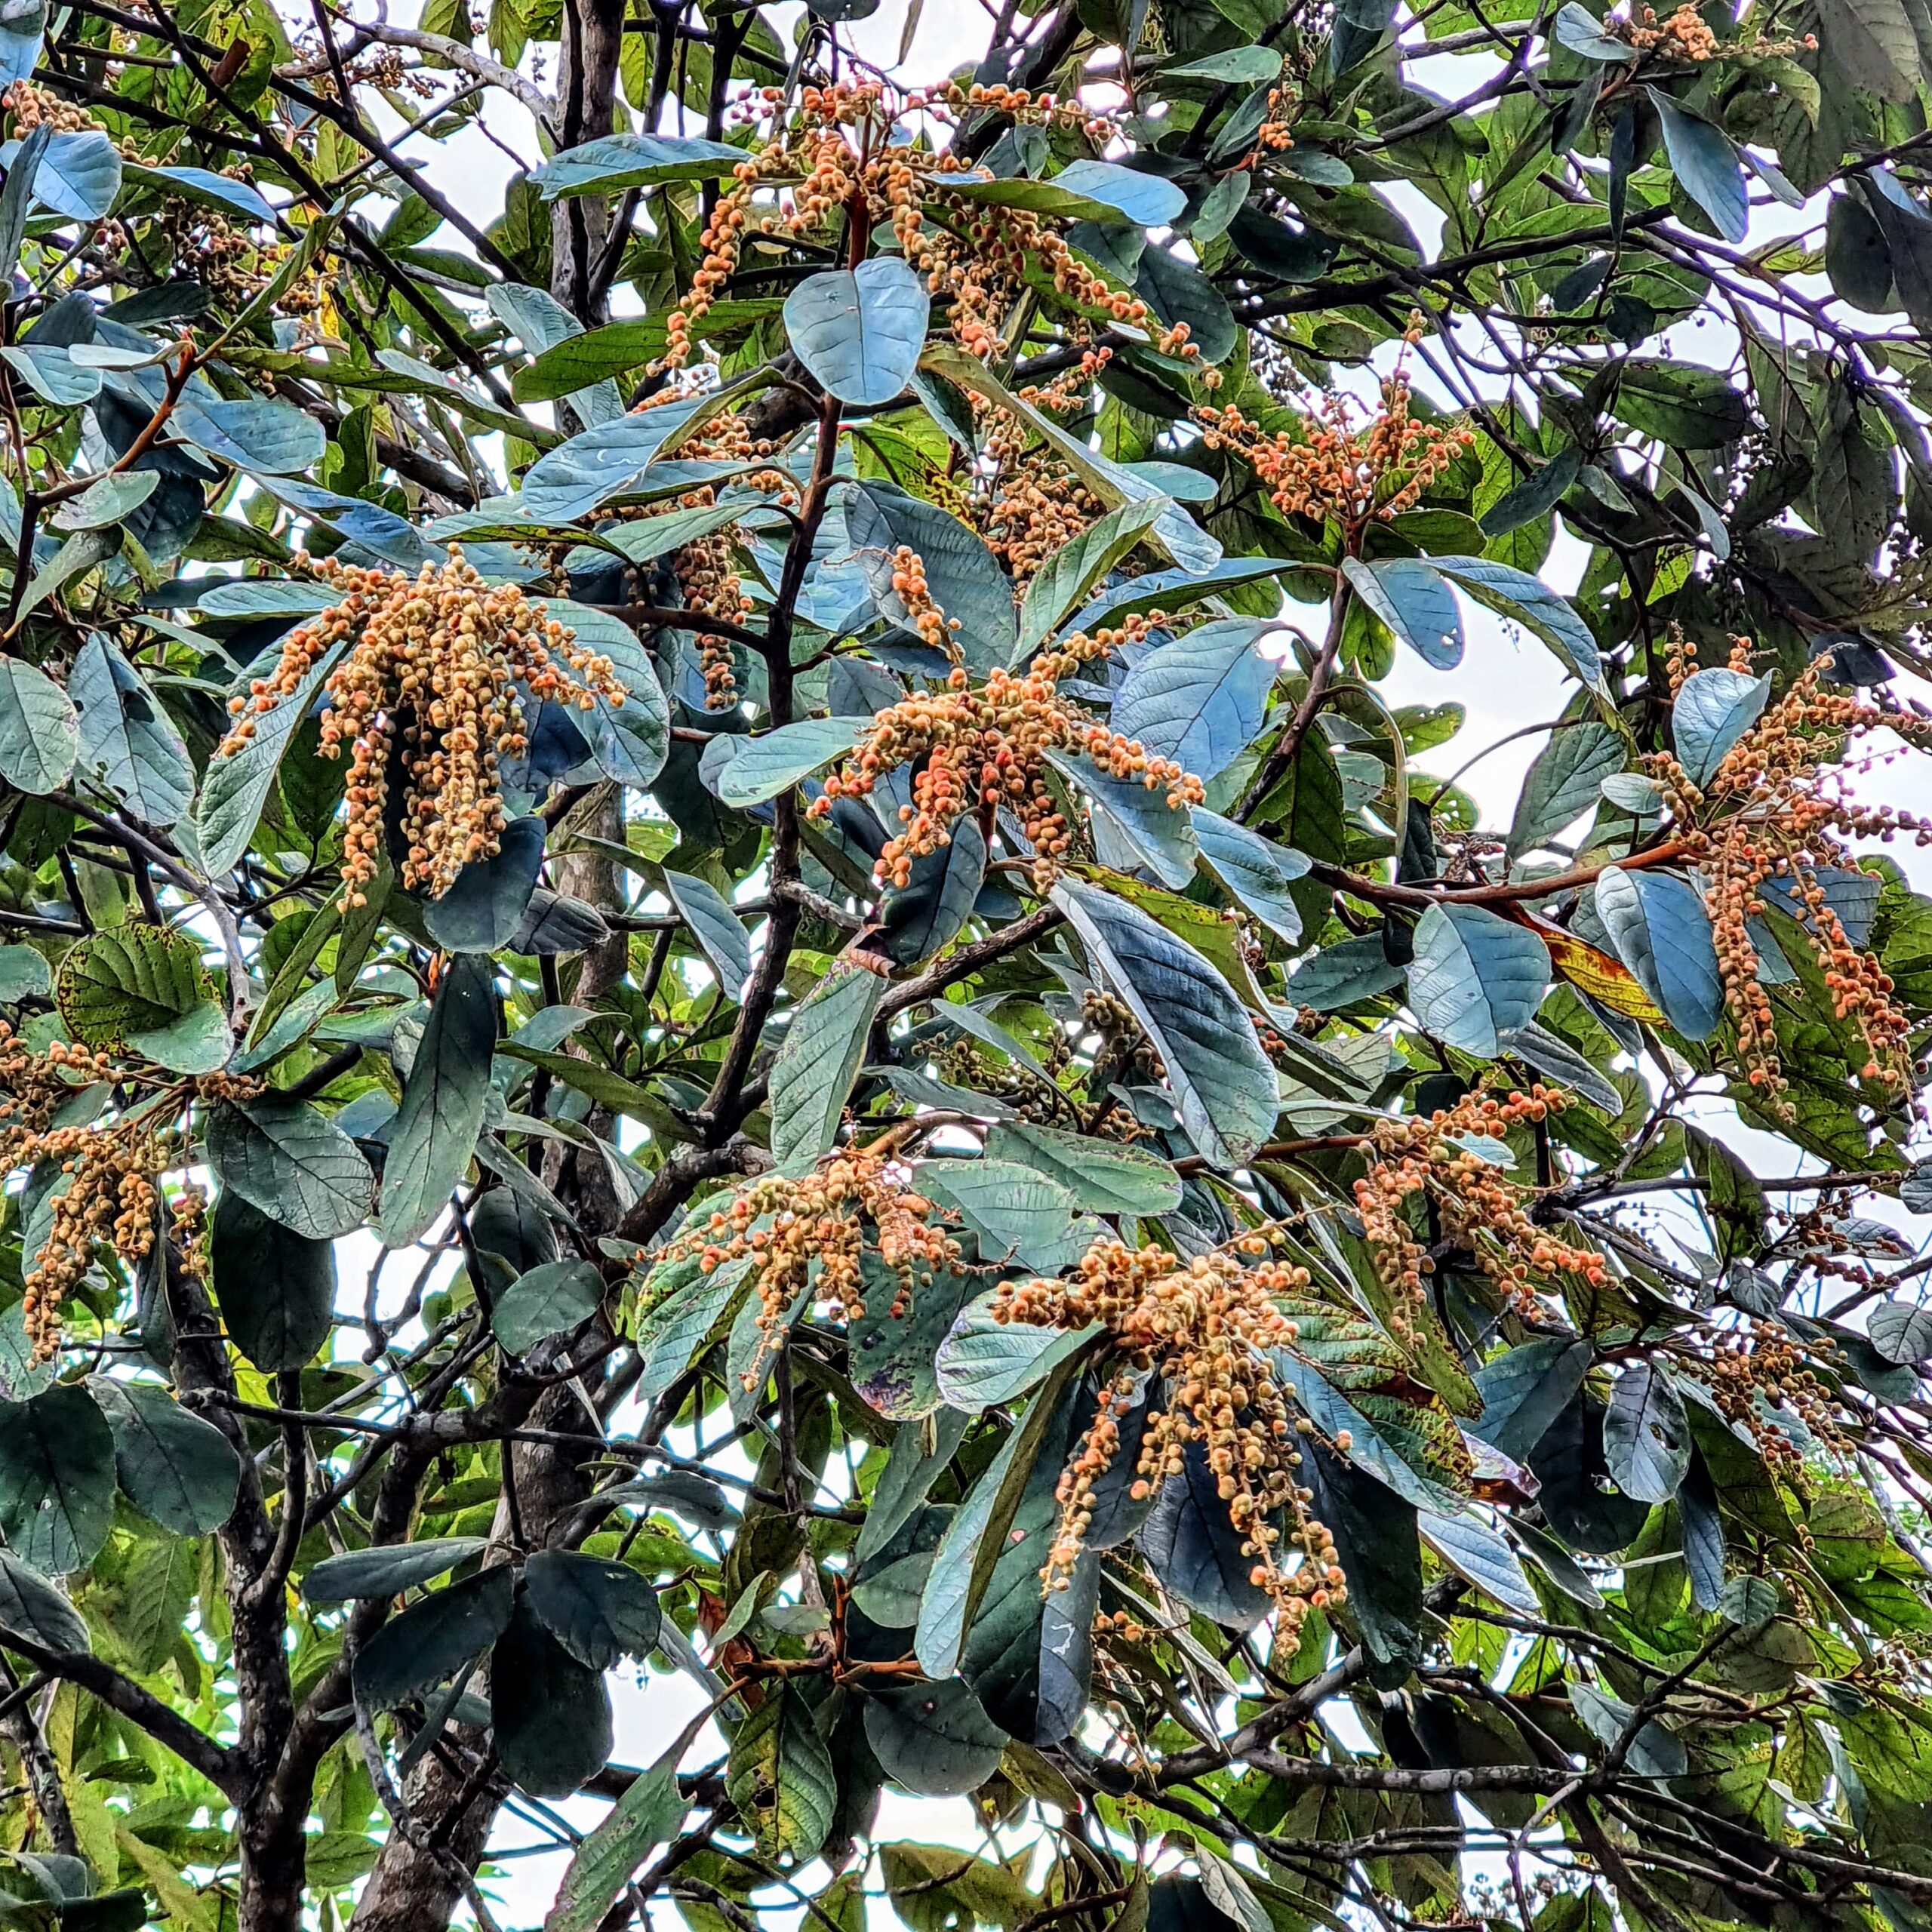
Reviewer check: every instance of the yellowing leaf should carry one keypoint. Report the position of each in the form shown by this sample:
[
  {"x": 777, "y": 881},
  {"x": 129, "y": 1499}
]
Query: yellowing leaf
[{"x": 1605, "y": 979}]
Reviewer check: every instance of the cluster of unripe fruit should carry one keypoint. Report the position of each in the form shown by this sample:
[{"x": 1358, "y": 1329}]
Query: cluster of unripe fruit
[
  {"x": 432, "y": 672},
  {"x": 1210, "y": 1329},
  {"x": 978, "y": 748},
  {"x": 813, "y": 1230},
  {"x": 1439, "y": 1156},
  {"x": 1766, "y": 813}
]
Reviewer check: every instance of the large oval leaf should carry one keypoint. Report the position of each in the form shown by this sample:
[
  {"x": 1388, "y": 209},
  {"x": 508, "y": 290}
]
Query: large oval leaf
[
  {"x": 433, "y": 1639},
  {"x": 177, "y": 1469},
  {"x": 1711, "y": 711},
  {"x": 276, "y": 1288},
  {"x": 934, "y": 1739},
  {"x": 1475, "y": 976},
  {"x": 1514, "y": 594},
  {"x": 1411, "y": 598},
  {"x": 1226, "y": 1087},
  {"x": 57, "y": 1478},
  {"x": 598, "y": 1611},
  {"x": 1200, "y": 699},
  {"x": 293, "y": 1163},
  {"x": 1656, "y": 921},
  {"x": 40, "y": 734},
  {"x": 860, "y": 331},
  {"x": 126, "y": 740}
]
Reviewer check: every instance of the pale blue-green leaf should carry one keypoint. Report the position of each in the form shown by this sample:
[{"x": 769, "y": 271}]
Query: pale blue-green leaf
[
  {"x": 1104, "y": 1177},
  {"x": 40, "y": 735},
  {"x": 235, "y": 789},
  {"x": 1411, "y": 598},
  {"x": 254, "y": 433},
  {"x": 822, "y": 1051},
  {"x": 627, "y": 740},
  {"x": 53, "y": 374},
  {"x": 1239, "y": 66},
  {"x": 1577, "y": 30},
  {"x": 1646, "y": 1434},
  {"x": 1480, "y": 1556},
  {"x": 982, "y": 1361},
  {"x": 24, "y": 974},
  {"x": 1255, "y": 869},
  {"x": 79, "y": 174},
  {"x": 127, "y": 742},
  {"x": 1656, "y": 924},
  {"x": 1706, "y": 166},
  {"x": 1514, "y": 594},
  {"x": 1014, "y": 1209},
  {"x": 618, "y": 162},
  {"x": 1475, "y": 976},
  {"x": 1556, "y": 1059},
  {"x": 1714, "y": 709},
  {"x": 1225, "y": 1088},
  {"x": 767, "y": 765},
  {"x": 196, "y": 1041},
  {"x": 264, "y": 597},
  {"x": 1132, "y": 823},
  {"x": 211, "y": 190},
  {"x": 860, "y": 331},
  {"x": 717, "y": 930},
  {"x": 1200, "y": 699},
  {"x": 109, "y": 499}
]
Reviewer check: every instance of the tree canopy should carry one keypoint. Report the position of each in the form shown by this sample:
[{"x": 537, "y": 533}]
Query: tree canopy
[{"x": 721, "y": 961}]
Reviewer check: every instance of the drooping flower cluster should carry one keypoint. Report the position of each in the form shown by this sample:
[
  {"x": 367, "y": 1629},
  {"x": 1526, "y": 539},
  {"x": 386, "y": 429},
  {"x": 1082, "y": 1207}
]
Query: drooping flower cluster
[
  {"x": 855, "y": 1201},
  {"x": 1328, "y": 465},
  {"x": 836, "y": 158},
  {"x": 1035, "y": 503},
  {"x": 1442, "y": 1155},
  {"x": 1209, "y": 1328},
  {"x": 432, "y": 672},
  {"x": 106, "y": 1192},
  {"x": 976, "y": 750},
  {"x": 1770, "y": 816},
  {"x": 1756, "y": 1369}
]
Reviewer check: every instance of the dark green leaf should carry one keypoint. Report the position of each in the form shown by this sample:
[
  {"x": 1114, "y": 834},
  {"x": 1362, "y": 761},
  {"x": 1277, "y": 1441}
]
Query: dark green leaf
[
  {"x": 597, "y": 1610},
  {"x": 293, "y": 1163},
  {"x": 433, "y": 1639},
  {"x": 934, "y": 1739},
  {"x": 434, "y": 1133},
  {"x": 276, "y": 1288},
  {"x": 548, "y": 1300},
  {"x": 57, "y": 1478},
  {"x": 387, "y": 1569},
  {"x": 177, "y": 1469}
]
